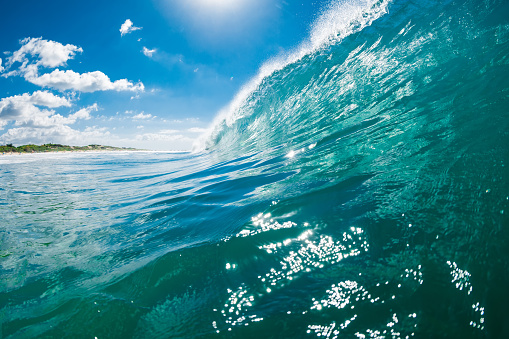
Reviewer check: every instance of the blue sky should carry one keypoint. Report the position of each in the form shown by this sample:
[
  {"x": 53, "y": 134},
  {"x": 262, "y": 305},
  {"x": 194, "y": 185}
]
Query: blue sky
[{"x": 148, "y": 74}]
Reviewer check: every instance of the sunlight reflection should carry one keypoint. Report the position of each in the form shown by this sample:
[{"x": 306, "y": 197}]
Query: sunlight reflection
[
  {"x": 339, "y": 296},
  {"x": 414, "y": 274},
  {"x": 312, "y": 254},
  {"x": 346, "y": 296},
  {"x": 304, "y": 253},
  {"x": 331, "y": 330},
  {"x": 461, "y": 279},
  {"x": 235, "y": 307},
  {"x": 264, "y": 224}
]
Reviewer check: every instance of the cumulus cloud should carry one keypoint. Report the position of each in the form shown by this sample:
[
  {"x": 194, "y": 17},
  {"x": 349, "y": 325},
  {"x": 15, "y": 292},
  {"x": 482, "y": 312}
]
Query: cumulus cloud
[
  {"x": 169, "y": 131},
  {"x": 163, "y": 135},
  {"x": 197, "y": 130},
  {"x": 85, "y": 82},
  {"x": 56, "y": 134},
  {"x": 46, "y": 53},
  {"x": 128, "y": 27},
  {"x": 83, "y": 113},
  {"x": 36, "y": 53},
  {"x": 1, "y": 68},
  {"x": 38, "y": 98},
  {"x": 142, "y": 116},
  {"x": 26, "y": 110},
  {"x": 148, "y": 52},
  {"x": 35, "y": 120}
]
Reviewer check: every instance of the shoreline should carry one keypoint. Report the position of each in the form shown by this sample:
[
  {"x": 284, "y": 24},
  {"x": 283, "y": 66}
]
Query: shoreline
[
  {"x": 88, "y": 151},
  {"x": 10, "y": 150},
  {"x": 58, "y": 148},
  {"x": 76, "y": 151}
]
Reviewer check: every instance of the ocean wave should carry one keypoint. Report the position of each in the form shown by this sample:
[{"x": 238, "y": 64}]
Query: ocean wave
[{"x": 339, "y": 20}]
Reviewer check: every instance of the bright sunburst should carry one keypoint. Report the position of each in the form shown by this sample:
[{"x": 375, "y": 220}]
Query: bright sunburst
[
  {"x": 220, "y": 3},
  {"x": 216, "y": 5}
]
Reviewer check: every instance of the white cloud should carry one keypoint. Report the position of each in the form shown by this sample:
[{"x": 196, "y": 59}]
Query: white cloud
[
  {"x": 55, "y": 134},
  {"x": 163, "y": 140},
  {"x": 161, "y": 136},
  {"x": 84, "y": 113},
  {"x": 48, "y": 54},
  {"x": 39, "y": 126},
  {"x": 36, "y": 53},
  {"x": 148, "y": 52},
  {"x": 96, "y": 132},
  {"x": 49, "y": 121},
  {"x": 197, "y": 130},
  {"x": 169, "y": 131},
  {"x": 1, "y": 68},
  {"x": 85, "y": 82},
  {"x": 25, "y": 110},
  {"x": 38, "y": 98},
  {"x": 142, "y": 116},
  {"x": 128, "y": 27}
]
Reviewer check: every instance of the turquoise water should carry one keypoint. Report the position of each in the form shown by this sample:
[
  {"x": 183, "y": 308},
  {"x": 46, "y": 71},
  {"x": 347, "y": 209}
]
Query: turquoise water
[{"x": 356, "y": 188}]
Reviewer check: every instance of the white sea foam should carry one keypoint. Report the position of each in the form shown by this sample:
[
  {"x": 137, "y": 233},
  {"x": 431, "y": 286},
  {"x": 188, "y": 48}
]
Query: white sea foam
[{"x": 337, "y": 21}]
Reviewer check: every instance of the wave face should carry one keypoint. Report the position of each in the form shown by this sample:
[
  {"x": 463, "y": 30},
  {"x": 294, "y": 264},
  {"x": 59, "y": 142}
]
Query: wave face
[
  {"x": 422, "y": 60},
  {"x": 356, "y": 188}
]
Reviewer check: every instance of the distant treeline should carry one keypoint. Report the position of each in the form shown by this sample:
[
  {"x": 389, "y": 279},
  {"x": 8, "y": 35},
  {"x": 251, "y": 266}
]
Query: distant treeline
[{"x": 57, "y": 147}]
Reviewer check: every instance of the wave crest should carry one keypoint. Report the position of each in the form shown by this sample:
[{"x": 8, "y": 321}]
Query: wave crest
[{"x": 337, "y": 21}]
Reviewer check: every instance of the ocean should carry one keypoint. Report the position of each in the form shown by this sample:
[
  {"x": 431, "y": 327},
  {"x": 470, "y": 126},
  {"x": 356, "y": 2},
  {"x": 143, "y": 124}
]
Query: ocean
[{"x": 357, "y": 187}]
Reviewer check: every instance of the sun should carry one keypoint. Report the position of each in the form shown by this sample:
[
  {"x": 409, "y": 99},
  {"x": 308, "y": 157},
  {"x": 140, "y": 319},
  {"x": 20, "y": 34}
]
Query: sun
[
  {"x": 212, "y": 8},
  {"x": 220, "y": 3},
  {"x": 217, "y": 5},
  {"x": 216, "y": 23},
  {"x": 211, "y": 12}
]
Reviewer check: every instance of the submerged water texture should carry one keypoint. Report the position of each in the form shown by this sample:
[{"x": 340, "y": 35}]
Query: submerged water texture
[{"x": 359, "y": 190}]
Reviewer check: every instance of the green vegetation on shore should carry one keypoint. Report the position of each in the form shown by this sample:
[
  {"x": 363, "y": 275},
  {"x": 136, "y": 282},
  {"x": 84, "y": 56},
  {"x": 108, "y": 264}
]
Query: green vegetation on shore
[{"x": 9, "y": 148}]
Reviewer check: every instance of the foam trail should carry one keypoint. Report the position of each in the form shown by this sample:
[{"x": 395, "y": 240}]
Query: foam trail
[{"x": 339, "y": 20}]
